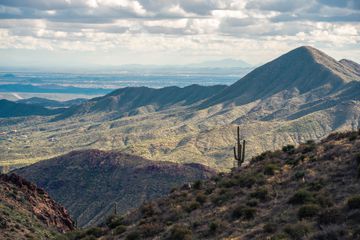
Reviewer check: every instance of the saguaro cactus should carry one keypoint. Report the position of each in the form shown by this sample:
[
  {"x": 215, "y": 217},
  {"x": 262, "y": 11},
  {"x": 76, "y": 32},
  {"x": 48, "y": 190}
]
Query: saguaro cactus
[{"x": 240, "y": 149}]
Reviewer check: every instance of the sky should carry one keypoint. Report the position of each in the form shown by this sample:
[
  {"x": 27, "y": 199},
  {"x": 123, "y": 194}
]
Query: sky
[{"x": 80, "y": 33}]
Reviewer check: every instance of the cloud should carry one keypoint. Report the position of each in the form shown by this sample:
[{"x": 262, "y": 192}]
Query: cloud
[{"x": 187, "y": 27}]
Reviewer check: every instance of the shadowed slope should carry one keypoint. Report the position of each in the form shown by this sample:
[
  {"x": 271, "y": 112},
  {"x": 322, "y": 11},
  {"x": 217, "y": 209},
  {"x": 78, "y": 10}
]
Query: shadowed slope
[{"x": 90, "y": 182}]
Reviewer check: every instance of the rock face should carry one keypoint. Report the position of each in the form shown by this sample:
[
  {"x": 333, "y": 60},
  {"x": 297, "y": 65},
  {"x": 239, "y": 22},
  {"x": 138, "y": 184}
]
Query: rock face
[
  {"x": 27, "y": 211},
  {"x": 309, "y": 192},
  {"x": 91, "y": 183}
]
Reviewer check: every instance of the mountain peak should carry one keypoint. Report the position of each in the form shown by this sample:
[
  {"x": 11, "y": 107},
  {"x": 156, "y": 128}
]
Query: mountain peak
[{"x": 304, "y": 68}]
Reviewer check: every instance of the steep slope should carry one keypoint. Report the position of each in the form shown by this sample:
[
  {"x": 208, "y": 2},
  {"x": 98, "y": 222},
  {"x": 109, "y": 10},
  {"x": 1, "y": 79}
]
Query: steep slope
[
  {"x": 355, "y": 67},
  {"x": 27, "y": 212},
  {"x": 13, "y": 109},
  {"x": 127, "y": 101},
  {"x": 89, "y": 183},
  {"x": 52, "y": 103},
  {"x": 310, "y": 192},
  {"x": 304, "y": 68}
]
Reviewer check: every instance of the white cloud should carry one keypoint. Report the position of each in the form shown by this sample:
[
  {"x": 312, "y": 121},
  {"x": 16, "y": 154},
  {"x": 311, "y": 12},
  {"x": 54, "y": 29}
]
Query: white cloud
[{"x": 212, "y": 28}]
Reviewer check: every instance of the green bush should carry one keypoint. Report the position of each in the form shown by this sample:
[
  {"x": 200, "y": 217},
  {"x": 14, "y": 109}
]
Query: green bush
[
  {"x": 133, "y": 236},
  {"x": 260, "y": 193},
  {"x": 180, "y": 232},
  {"x": 329, "y": 216},
  {"x": 299, "y": 174},
  {"x": 288, "y": 148},
  {"x": 114, "y": 221},
  {"x": 354, "y": 202},
  {"x": 270, "y": 169},
  {"x": 201, "y": 198},
  {"x": 308, "y": 211},
  {"x": 197, "y": 184},
  {"x": 270, "y": 227},
  {"x": 301, "y": 197},
  {"x": 297, "y": 231},
  {"x": 213, "y": 227},
  {"x": 96, "y": 232},
  {"x": 353, "y": 136},
  {"x": 147, "y": 210},
  {"x": 192, "y": 206},
  {"x": 250, "y": 179},
  {"x": 243, "y": 212},
  {"x": 3, "y": 223},
  {"x": 150, "y": 229},
  {"x": 357, "y": 159},
  {"x": 119, "y": 229},
  {"x": 252, "y": 203}
]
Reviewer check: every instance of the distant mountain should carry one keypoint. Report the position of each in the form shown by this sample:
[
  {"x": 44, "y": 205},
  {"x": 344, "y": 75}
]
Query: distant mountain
[
  {"x": 89, "y": 182},
  {"x": 309, "y": 192},
  {"x": 224, "y": 63},
  {"x": 51, "y": 89},
  {"x": 14, "y": 109},
  {"x": 304, "y": 69},
  {"x": 27, "y": 212},
  {"x": 127, "y": 101},
  {"x": 354, "y": 66},
  {"x": 52, "y": 103}
]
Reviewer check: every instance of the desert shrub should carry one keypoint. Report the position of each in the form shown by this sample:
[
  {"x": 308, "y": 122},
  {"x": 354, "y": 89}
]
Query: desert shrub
[
  {"x": 357, "y": 159},
  {"x": 297, "y": 231},
  {"x": 147, "y": 210},
  {"x": 280, "y": 236},
  {"x": 299, "y": 174},
  {"x": 119, "y": 229},
  {"x": 293, "y": 161},
  {"x": 331, "y": 233},
  {"x": 270, "y": 227},
  {"x": 329, "y": 216},
  {"x": 243, "y": 212},
  {"x": 354, "y": 202},
  {"x": 114, "y": 221},
  {"x": 228, "y": 182},
  {"x": 301, "y": 197},
  {"x": 133, "y": 236},
  {"x": 249, "y": 179},
  {"x": 222, "y": 197},
  {"x": 192, "y": 206},
  {"x": 197, "y": 184},
  {"x": 213, "y": 227},
  {"x": 150, "y": 229},
  {"x": 324, "y": 200},
  {"x": 260, "y": 193},
  {"x": 180, "y": 232},
  {"x": 209, "y": 191},
  {"x": 270, "y": 169},
  {"x": 316, "y": 185},
  {"x": 288, "y": 149},
  {"x": 96, "y": 232},
  {"x": 308, "y": 211},
  {"x": 201, "y": 198},
  {"x": 3, "y": 223},
  {"x": 252, "y": 203},
  {"x": 353, "y": 136}
]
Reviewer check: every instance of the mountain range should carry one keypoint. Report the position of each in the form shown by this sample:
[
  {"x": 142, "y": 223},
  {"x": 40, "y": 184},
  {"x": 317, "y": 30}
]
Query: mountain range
[{"x": 303, "y": 94}]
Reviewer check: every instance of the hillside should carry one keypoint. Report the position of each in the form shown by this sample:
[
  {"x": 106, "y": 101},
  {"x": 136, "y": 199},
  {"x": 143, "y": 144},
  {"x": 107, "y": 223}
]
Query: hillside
[
  {"x": 12, "y": 109},
  {"x": 89, "y": 182},
  {"x": 27, "y": 212},
  {"x": 355, "y": 67},
  {"x": 134, "y": 100},
  {"x": 303, "y": 94},
  {"x": 309, "y": 192},
  {"x": 51, "y": 103},
  {"x": 304, "y": 69}
]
